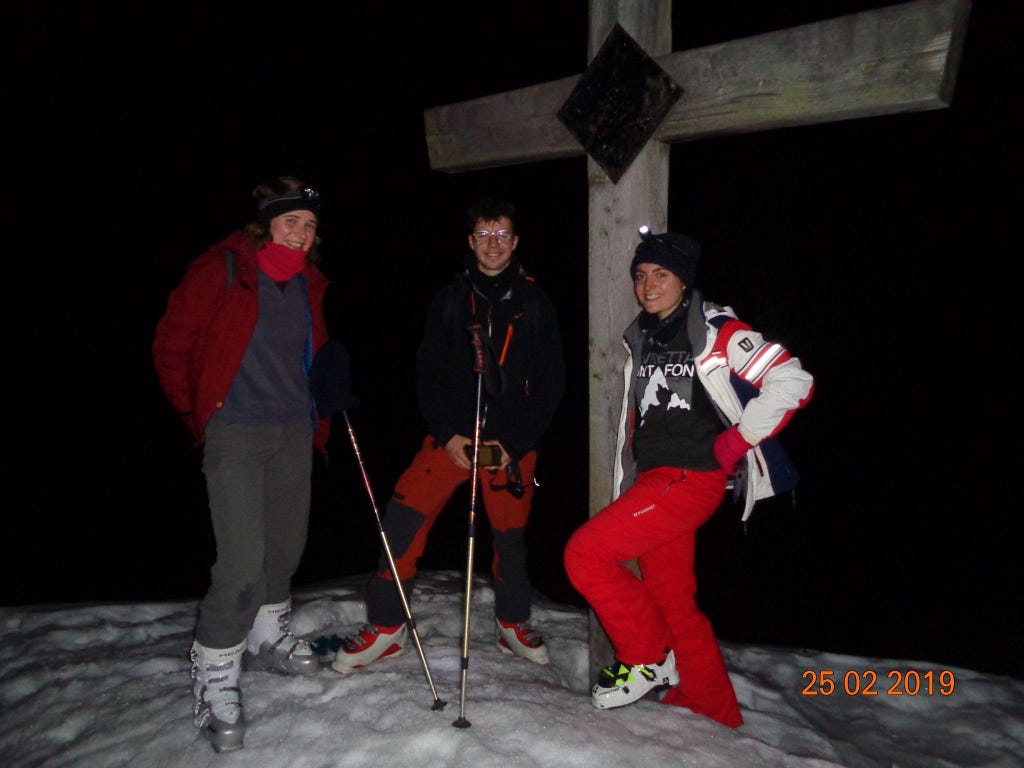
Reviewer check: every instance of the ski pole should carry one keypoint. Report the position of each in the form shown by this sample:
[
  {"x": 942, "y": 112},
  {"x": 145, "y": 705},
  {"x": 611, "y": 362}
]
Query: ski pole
[
  {"x": 409, "y": 620},
  {"x": 479, "y": 367}
]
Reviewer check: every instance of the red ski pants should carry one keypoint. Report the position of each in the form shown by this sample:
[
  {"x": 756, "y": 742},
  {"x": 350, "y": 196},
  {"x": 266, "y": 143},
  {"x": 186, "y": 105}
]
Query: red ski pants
[{"x": 656, "y": 521}]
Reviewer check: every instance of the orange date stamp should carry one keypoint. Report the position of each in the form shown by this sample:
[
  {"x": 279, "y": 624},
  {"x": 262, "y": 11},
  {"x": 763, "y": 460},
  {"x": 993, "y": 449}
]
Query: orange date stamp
[{"x": 869, "y": 682}]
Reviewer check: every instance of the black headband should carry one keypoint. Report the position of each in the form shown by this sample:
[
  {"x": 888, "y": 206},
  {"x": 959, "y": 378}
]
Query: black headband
[{"x": 307, "y": 199}]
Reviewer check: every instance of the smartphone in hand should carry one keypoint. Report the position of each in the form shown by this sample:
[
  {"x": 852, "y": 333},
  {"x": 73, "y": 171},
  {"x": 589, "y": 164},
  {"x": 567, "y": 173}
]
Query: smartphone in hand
[{"x": 489, "y": 456}]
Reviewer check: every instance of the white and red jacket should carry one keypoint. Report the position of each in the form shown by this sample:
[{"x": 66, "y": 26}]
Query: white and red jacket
[{"x": 752, "y": 382}]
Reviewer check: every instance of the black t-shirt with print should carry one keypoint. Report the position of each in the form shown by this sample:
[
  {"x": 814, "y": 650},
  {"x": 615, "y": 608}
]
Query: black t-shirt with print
[{"x": 676, "y": 423}]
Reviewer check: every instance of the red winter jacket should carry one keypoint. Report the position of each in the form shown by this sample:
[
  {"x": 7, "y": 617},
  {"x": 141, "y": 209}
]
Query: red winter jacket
[{"x": 203, "y": 335}]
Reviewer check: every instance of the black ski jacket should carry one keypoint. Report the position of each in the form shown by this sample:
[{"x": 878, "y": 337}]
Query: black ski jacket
[{"x": 527, "y": 344}]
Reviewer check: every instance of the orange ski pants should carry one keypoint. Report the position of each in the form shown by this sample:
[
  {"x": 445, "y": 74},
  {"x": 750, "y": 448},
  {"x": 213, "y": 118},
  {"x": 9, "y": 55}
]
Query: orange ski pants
[{"x": 420, "y": 496}]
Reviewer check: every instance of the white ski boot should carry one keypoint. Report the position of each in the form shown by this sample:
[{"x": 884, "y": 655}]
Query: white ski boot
[
  {"x": 217, "y": 700},
  {"x": 621, "y": 684},
  {"x": 368, "y": 644},
  {"x": 520, "y": 640},
  {"x": 270, "y": 646}
]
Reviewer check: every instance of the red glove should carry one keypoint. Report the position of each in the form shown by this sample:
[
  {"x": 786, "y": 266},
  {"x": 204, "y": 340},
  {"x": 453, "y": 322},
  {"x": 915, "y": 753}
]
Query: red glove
[{"x": 730, "y": 447}]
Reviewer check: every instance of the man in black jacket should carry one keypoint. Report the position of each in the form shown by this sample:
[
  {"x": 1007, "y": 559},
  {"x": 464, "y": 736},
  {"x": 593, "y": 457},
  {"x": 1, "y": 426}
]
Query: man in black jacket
[{"x": 525, "y": 381}]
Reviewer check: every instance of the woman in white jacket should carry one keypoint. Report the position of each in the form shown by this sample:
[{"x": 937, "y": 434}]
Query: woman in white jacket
[{"x": 704, "y": 397}]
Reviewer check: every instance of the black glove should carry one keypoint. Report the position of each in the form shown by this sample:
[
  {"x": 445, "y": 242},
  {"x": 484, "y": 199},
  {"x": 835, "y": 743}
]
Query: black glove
[{"x": 330, "y": 380}]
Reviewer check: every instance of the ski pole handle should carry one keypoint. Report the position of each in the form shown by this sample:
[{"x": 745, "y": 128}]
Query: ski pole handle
[{"x": 475, "y": 330}]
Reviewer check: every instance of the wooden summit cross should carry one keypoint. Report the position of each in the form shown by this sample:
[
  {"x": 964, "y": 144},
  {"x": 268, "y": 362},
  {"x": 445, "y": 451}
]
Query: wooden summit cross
[{"x": 900, "y": 58}]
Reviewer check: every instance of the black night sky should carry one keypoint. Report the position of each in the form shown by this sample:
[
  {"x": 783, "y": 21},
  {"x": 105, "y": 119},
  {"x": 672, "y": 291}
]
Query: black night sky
[{"x": 884, "y": 252}]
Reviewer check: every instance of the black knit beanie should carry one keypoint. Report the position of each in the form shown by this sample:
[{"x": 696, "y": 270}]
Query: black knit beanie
[
  {"x": 676, "y": 253},
  {"x": 307, "y": 199}
]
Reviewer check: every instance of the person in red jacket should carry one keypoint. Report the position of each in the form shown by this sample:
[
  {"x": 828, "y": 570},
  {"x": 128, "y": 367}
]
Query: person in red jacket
[{"x": 234, "y": 353}]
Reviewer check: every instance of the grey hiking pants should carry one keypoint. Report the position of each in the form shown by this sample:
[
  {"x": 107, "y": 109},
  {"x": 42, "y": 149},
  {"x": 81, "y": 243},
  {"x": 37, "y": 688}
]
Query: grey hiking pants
[{"x": 258, "y": 481}]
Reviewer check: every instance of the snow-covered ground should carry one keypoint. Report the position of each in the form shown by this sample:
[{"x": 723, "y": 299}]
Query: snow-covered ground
[{"x": 107, "y": 685}]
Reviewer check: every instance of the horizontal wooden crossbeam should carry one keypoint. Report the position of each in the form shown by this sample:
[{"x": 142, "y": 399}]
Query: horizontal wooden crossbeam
[{"x": 901, "y": 58}]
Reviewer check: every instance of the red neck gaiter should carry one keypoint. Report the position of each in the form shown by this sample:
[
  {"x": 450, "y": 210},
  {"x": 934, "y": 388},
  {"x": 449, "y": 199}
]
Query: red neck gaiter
[{"x": 280, "y": 262}]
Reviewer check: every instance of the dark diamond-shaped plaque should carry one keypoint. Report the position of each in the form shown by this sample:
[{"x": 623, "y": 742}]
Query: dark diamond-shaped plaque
[{"x": 618, "y": 103}]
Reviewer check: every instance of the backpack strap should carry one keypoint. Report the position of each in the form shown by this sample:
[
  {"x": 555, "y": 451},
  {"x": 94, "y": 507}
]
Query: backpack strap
[
  {"x": 451, "y": 307},
  {"x": 531, "y": 306},
  {"x": 229, "y": 264}
]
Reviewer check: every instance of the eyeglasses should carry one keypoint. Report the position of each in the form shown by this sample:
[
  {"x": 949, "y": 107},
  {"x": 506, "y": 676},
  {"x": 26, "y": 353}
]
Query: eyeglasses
[{"x": 502, "y": 235}]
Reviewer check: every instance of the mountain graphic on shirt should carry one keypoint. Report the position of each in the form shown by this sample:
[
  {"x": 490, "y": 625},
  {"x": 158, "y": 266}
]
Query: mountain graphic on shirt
[{"x": 652, "y": 395}]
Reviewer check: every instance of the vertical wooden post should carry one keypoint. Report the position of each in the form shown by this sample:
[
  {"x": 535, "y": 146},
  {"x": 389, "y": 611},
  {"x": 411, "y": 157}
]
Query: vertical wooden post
[{"x": 615, "y": 212}]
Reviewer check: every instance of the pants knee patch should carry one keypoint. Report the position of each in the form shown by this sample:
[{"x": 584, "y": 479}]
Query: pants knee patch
[{"x": 401, "y": 523}]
